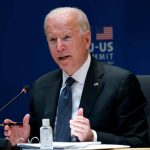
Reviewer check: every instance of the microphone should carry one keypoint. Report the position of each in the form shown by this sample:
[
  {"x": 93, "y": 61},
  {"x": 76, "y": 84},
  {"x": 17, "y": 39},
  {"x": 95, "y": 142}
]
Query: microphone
[{"x": 24, "y": 90}]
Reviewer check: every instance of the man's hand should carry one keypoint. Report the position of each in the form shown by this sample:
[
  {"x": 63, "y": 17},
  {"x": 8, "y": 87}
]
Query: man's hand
[
  {"x": 17, "y": 133},
  {"x": 81, "y": 127}
]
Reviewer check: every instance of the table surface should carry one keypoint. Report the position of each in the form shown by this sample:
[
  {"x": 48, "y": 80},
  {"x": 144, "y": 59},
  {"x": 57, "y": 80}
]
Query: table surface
[
  {"x": 131, "y": 149},
  {"x": 105, "y": 149}
]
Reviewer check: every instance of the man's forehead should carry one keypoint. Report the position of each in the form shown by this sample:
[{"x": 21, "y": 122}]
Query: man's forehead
[{"x": 62, "y": 21}]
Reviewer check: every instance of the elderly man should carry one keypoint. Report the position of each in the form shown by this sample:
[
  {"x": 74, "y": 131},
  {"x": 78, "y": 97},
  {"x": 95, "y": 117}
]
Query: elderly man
[{"x": 107, "y": 104}]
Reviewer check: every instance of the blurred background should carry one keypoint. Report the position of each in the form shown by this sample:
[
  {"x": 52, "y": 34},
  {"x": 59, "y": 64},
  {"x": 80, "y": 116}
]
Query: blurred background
[{"x": 120, "y": 36}]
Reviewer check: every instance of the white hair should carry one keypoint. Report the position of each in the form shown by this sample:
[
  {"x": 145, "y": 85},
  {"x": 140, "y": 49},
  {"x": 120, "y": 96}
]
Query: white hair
[{"x": 82, "y": 19}]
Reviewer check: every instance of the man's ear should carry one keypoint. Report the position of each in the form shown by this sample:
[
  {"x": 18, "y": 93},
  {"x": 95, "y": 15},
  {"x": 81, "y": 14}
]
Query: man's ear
[{"x": 87, "y": 37}]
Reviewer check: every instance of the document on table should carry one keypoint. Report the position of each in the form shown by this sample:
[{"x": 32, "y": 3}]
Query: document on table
[{"x": 74, "y": 145}]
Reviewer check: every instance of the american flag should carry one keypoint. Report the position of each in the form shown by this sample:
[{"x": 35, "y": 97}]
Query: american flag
[{"x": 106, "y": 35}]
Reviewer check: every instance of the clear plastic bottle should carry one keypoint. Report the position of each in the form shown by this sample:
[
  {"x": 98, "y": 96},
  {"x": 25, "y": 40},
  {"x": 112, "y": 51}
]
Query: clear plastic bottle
[{"x": 46, "y": 135}]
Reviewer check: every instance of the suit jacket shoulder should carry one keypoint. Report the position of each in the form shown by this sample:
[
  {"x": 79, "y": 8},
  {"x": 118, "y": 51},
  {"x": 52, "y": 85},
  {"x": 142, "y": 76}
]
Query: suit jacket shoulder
[
  {"x": 48, "y": 78},
  {"x": 44, "y": 98}
]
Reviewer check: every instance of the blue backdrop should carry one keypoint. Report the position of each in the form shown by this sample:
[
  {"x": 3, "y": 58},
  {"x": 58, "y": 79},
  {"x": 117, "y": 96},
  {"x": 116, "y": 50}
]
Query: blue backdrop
[{"x": 120, "y": 36}]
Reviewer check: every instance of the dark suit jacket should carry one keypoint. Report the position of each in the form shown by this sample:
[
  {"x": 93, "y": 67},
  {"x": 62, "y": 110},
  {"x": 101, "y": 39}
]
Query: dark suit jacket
[{"x": 112, "y": 100}]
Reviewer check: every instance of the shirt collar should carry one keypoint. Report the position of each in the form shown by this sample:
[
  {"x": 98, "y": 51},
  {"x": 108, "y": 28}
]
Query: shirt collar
[{"x": 81, "y": 73}]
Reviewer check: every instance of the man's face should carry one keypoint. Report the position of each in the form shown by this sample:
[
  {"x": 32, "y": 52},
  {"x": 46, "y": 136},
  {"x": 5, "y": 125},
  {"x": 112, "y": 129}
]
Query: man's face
[{"x": 68, "y": 47}]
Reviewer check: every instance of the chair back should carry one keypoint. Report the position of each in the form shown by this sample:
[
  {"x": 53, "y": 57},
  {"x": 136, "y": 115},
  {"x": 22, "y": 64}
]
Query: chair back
[{"x": 145, "y": 86}]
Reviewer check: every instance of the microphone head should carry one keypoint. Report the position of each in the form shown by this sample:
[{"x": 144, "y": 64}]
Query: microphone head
[{"x": 25, "y": 89}]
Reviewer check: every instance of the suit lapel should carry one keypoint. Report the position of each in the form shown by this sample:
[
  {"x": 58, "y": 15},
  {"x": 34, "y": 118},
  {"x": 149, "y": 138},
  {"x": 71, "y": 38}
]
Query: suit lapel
[
  {"x": 92, "y": 87},
  {"x": 53, "y": 95}
]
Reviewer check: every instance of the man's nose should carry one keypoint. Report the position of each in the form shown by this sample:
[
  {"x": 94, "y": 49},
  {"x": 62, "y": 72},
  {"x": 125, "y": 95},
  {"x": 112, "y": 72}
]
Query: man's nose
[{"x": 59, "y": 45}]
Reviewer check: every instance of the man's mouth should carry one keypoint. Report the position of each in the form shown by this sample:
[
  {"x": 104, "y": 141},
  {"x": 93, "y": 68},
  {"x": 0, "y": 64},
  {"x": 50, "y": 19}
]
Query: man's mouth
[{"x": 64, "y": 57}]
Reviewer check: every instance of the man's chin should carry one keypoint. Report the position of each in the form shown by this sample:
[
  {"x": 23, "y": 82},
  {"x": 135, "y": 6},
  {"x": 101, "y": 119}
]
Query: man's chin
[{"x": 67, "y": 69}]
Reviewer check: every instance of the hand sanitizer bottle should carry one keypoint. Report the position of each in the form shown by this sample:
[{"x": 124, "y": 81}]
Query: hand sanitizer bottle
[{"x": 46, "y": 135}]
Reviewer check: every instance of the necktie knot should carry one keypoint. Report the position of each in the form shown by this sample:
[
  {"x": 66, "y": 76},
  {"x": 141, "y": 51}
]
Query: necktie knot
[{"x": 70, "y": 81}]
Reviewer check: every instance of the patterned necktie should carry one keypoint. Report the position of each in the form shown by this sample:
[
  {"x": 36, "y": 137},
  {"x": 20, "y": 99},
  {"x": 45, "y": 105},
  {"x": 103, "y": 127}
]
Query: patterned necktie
[{"x": 64, "y": 113}]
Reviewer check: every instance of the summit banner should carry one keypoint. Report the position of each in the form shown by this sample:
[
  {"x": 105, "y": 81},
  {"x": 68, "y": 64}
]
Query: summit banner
[{"x": 102, "y": 48}]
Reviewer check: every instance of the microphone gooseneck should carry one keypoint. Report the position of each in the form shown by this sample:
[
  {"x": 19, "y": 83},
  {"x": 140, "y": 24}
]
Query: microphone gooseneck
[{"x": 24, "y": 90}]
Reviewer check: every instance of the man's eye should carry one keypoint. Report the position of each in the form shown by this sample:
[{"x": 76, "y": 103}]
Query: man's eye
[
  {"x": 52, "y": 39},
  {"x": 67, "y": 37}
]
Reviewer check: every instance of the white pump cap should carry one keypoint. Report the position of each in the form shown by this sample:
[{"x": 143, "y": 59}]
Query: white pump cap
[{"x": 46, "y": 122}]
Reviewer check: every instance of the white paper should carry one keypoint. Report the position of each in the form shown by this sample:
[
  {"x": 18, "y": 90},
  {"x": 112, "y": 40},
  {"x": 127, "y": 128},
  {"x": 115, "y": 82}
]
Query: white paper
[{"x": 75, "y": 145}]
